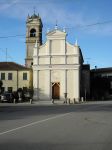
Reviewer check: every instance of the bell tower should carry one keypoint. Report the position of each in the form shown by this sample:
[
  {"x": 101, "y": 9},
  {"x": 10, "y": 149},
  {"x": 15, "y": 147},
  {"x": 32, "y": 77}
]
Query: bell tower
[{"x": 33, "y": 33}]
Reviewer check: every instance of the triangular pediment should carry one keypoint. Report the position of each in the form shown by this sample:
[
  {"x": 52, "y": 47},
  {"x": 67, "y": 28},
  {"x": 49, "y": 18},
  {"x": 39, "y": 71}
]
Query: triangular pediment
[{"x": 56, "y": 33}]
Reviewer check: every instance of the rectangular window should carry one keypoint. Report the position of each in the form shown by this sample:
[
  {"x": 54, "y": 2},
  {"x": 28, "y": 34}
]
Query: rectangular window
[
  {"x": 2, "y": 76},
  {"x": 24, "y": 76},
  {"x": 9, "y": 76},
  {"x": 9, "y": 89}
]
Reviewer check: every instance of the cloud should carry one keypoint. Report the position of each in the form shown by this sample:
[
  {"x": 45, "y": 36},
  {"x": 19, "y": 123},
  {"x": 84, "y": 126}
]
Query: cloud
[
  {"x": 5, "y": 5},
  {"x": 50, "y": 12}
]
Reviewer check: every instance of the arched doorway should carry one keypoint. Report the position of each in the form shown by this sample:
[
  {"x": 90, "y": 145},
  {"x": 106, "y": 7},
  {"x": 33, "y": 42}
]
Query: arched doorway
[{"x": 55, "y": 90}]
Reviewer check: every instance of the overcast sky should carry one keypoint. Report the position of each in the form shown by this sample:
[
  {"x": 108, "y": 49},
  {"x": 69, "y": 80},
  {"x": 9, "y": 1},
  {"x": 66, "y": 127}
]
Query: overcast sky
[{"x": 88, "y": 21}]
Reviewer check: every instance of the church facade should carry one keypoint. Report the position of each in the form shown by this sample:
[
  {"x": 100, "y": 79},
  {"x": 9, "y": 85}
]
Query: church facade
[{"x": 57, "y": 68}]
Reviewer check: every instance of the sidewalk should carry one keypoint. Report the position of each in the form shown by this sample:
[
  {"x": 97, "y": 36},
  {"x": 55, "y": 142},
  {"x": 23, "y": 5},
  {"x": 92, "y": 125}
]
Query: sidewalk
[
  {"x": 40, "y": 103},
  {"x": 49, "y": 103},
  {"x": 44, "y": 102}
]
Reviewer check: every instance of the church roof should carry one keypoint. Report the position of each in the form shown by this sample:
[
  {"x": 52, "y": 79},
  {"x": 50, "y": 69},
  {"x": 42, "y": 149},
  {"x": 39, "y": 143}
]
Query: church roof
[{"x": 12, "y": 66}]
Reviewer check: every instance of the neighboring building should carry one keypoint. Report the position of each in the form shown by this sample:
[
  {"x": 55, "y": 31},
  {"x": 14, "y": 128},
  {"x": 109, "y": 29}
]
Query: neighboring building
[
  {"x": 15, "y": 76},
  {"x": 33, "y": 34},
  {"x": 101, "y": 83},
  {"x": 85, "y": 82},
  {"x": 57, "y": 68}
]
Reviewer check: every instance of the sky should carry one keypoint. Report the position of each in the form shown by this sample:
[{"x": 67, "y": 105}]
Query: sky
[{"x": 87, "y": 21}]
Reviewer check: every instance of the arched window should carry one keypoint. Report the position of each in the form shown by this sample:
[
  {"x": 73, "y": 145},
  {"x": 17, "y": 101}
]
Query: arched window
[{"x": 32, "y": 33}]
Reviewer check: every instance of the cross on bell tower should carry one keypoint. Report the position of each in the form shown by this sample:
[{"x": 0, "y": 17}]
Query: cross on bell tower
[{"x": 33, "y": 33}]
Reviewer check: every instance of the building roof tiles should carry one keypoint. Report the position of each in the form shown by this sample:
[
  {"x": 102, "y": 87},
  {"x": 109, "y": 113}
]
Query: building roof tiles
[{"x": 12, "y": 66}]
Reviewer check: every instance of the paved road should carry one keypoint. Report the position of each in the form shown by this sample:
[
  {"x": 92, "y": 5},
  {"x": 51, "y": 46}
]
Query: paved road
[{"x": 56, "y": 127}]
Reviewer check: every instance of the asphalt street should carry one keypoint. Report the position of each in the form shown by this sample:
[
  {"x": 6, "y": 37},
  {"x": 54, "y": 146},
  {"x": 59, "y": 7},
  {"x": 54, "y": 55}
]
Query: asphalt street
[{"x": 85, "y": 126}]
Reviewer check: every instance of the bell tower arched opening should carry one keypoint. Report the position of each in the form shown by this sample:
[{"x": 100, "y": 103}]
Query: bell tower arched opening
[{"x": 33, "y": 33}]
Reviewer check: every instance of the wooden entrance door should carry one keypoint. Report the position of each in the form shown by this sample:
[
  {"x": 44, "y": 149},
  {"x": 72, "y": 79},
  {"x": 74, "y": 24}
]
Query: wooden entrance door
[{"x": 56, "y": 90}]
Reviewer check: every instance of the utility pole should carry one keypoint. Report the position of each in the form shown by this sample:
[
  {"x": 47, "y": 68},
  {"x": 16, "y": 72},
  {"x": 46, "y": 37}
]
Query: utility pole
[{"x": 6, "y": 54}]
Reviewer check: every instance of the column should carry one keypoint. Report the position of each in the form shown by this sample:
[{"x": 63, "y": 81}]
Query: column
[
  {"x": 78, "y": 85},
  {"x": 65, "y": 83},
  {"x": 50, "y": 86},
  {"x": 35, "y": 84}
]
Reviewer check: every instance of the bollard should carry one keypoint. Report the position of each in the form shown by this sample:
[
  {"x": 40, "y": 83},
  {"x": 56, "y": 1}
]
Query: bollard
[
  {"x": 14, "y": 100},
  {"x": 53, "y": 101},
  {"x": 74, "y": 100},
  {"x": 69, "y": 101},
  {"x": 20, "y": 99},
  {"x": 30, "y": 101},
  {"x": 82, "y": 99}
]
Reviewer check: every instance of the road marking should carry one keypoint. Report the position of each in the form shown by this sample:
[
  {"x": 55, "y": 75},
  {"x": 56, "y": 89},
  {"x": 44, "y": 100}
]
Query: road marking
[{"x": 33, "y": 123}]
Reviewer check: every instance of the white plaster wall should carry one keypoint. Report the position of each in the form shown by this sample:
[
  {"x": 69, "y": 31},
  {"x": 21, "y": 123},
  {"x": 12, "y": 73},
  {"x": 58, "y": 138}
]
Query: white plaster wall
[
  {"x": 43, "y": 50},
  {"x": 70, "y": 49},
  {"x": 35, "y": 77},
  {"x": 77, "y": 84},
  {"x": 62, "y": 85},
  {"x": 73, "y": 84},
  {"x": 44, "y": 85},
  {"x": 55, "y": 75},
  {"x": 57, "y": 60},
  {"x": 70, "y": 84},
  {"x": 43, "y": 60},
  {"x": 56, "y": 47},
  {"x": 72, "y": 60}
]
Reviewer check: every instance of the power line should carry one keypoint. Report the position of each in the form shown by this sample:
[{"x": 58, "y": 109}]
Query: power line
[
  {"x": 98, "y": 23},
  {"x": 90, "y": 25},
  {"x": 11, "y": 36},
  {"x": 7, "y": 56},
  {"x": 80, "y": 26}
]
